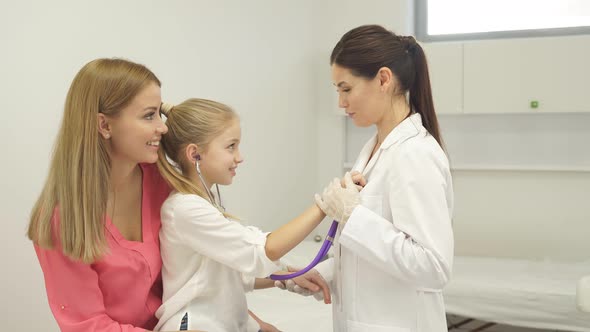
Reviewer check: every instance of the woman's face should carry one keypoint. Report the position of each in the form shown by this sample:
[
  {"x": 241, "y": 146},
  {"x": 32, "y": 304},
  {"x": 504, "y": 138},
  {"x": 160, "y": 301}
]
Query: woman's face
[
  {"x": 360, "y": 98},
  {"x": 222, "y": 155},
  {"x": 137, "y": 129}
]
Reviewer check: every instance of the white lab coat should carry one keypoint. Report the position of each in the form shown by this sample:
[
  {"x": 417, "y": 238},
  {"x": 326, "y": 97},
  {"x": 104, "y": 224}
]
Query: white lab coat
[
  {"x": 394, "y": 255},
  {"x": 209, "y": 263}
]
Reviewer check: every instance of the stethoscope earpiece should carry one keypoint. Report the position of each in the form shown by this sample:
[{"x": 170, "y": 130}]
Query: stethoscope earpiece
[{"x": 209, "y": 193}]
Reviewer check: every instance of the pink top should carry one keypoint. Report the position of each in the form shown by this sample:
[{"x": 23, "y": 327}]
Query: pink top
[{"x": 121, "y": 291}]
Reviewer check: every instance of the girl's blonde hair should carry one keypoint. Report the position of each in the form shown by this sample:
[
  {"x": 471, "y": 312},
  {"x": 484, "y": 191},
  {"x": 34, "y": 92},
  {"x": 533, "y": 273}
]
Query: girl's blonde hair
[
  {"x": 196, "y": 121},
  {"x": 78, "y": 181}
]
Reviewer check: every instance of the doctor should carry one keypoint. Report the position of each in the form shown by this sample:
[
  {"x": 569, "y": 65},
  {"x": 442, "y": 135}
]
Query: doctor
[{"x": 394, "y": 249}]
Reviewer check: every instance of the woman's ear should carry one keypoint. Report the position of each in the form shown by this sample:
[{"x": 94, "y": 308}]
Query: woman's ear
[
  {"x": 386, "y": 79},
  {"x": 104, "y": 127}
]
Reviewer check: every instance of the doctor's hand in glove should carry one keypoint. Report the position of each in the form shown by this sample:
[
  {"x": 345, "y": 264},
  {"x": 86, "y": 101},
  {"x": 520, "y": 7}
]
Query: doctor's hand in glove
[
  {"x": 338, "y": 202},
  {"x": 310, "y": 283}
]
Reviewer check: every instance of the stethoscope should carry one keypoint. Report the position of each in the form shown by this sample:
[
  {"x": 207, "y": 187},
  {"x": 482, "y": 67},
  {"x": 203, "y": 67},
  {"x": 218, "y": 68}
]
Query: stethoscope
[
  {"x": 323, "y": 251},
  {"x": 209, "y": 193},
  {"x": 318, "y": 258}
]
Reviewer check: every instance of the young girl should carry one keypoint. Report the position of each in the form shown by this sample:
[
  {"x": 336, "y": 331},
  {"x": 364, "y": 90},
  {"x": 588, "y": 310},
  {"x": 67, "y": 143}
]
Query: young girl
[{"x": 210, "y": 260}]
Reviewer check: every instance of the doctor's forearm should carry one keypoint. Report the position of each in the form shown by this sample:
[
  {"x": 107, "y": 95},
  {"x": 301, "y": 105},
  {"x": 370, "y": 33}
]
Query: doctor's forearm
[{"x": 286, "y": 237}]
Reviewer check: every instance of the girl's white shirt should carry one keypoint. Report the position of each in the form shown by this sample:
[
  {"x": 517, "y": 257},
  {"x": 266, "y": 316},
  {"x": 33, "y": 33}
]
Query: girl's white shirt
[{"x": 208, "y": 264}]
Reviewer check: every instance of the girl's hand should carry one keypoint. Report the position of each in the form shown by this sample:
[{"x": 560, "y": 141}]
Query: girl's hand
[
  {"x": 266, "y": 327},
  {"x": 358, "y": 178},
  {"x": 339, "y": 202}
]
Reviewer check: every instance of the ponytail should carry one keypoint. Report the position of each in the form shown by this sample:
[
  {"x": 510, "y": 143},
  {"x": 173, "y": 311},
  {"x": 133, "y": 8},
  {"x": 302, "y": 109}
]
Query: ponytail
[{"x": 420, "y": 91}]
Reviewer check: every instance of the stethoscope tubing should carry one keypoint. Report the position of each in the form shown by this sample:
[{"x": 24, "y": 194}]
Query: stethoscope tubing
[{"x": 323, "y": 251}]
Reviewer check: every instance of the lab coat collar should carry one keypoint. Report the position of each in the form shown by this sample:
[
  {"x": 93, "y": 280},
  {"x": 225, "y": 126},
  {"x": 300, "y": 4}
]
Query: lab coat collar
[
  {"x": 363, "y": 159},
  {"x": 409, "y": 127}
]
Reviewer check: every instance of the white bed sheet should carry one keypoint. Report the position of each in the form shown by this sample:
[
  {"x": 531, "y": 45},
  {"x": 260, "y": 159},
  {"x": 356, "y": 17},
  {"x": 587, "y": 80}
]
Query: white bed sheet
[{"x": 538, "y": 294}]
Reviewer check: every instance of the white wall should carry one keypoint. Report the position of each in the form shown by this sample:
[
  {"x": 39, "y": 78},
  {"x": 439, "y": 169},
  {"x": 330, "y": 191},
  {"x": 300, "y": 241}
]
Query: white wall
[
  {"x": 508, "y": 213},
  {"x": 269, "y": 60},
  {"x": 522, "y": 183},
  {"x": 522, "y": 214},
  {"x": 255, "y": 56}
]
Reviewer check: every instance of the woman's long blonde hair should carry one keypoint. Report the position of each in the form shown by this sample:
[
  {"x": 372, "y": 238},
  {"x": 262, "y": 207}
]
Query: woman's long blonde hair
[
  {"x": 78, "y": 180},
  {"x": 196, "y": 121}
]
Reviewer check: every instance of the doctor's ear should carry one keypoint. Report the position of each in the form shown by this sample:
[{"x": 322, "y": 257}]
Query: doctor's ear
[
  {"x": 104, "y": 127},
  {"x": 386, "y": 79}
]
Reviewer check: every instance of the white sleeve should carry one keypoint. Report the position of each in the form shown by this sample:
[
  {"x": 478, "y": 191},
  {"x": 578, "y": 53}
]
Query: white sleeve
[
  {"x": 248, "y": 282},
  {"x": 204, "y": 229},
  {"x": 418, "y": 246}
]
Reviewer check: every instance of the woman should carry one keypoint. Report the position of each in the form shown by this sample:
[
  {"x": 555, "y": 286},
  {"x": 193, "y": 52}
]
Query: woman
[
  {"x": 95, "y": 225},
  {"x": 394, "y": 250}
]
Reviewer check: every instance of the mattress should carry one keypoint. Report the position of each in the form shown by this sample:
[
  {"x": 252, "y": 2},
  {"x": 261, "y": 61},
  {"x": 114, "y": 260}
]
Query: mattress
[
  {"x": 527, "y": 293},
  {"x": 537, "y": 294}
]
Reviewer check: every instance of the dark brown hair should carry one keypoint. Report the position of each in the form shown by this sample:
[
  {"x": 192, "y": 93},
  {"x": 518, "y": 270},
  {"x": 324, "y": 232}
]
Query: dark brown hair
[{"x": 366, "y": 49}]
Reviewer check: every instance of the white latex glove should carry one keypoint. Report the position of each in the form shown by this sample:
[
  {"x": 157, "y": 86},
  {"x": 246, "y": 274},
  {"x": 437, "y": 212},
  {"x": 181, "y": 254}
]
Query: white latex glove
[
  {"x": 294, "y": 288},
  {"x": 338, "y": 202},
  {"x": 320, "y": 201},
  {"x": 310, "y": 283}
]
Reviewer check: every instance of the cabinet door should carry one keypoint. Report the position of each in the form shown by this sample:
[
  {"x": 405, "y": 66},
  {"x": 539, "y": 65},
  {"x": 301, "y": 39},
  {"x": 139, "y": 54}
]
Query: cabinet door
[
  {"x": 527, "y": 75},
  {"x": 445, "y": 65}
]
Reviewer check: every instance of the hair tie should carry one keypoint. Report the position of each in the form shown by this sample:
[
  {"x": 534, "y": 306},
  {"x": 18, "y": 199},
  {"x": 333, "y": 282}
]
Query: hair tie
[
  {"x": 409, "y": 43},
  {"x": 166, "y": 108}
]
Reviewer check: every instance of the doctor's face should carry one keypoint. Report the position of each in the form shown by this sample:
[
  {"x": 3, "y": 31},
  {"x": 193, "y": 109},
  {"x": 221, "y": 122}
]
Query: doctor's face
[
  {"x": 222, "y": 155},
  {"x": 358, "y": 96}
]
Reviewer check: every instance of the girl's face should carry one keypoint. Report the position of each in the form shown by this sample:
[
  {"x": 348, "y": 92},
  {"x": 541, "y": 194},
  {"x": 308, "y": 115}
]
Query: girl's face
[
  {"x": 135, "y": 132},
  {"x": 222, "y": 155},
  {"x": 360, "y": 98}
]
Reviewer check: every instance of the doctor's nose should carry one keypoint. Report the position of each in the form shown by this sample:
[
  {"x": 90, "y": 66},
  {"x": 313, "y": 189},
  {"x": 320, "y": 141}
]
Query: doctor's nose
[{"x": 342, "y": 102}]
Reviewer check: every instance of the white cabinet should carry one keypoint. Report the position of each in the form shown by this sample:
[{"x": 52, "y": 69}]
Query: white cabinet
[
  {"x": 445, "y": 65},
  {"x": 491, "y": 83},
  {"x": 512, "y": 75}
]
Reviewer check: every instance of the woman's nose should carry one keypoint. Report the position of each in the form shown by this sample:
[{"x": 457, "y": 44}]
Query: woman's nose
[
  {"x": 342, "y": 102},
  {"x": 162, "y": 128}
]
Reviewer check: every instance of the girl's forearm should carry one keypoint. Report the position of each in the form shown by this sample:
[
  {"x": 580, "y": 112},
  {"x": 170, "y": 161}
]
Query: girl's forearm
[
  {"x": 261, "y": 283},
  {"x": 286, "y": 237}
]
